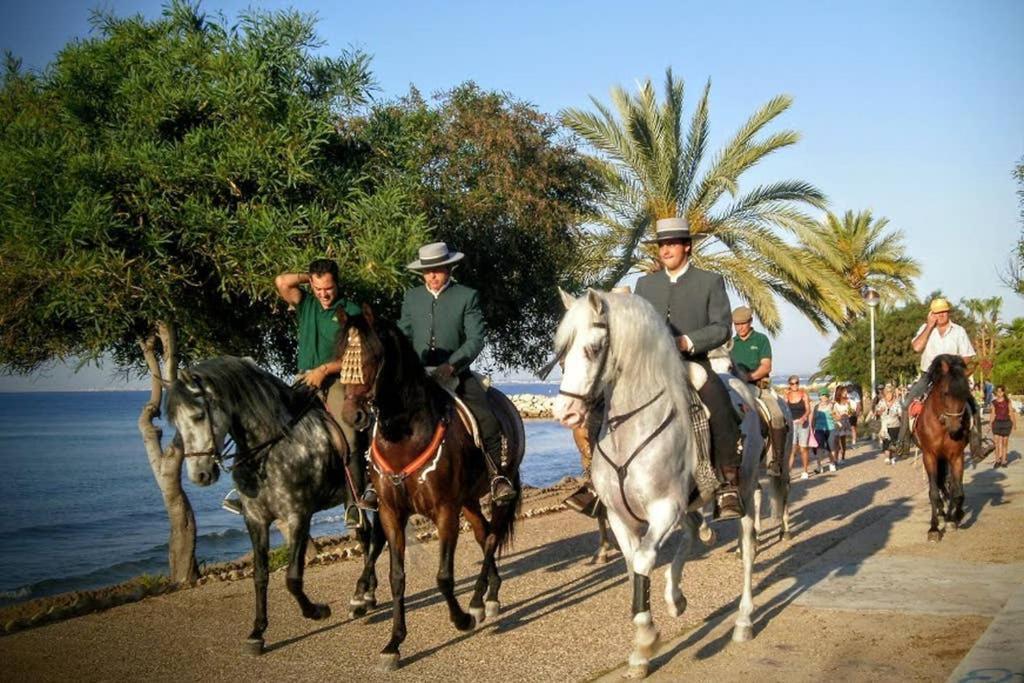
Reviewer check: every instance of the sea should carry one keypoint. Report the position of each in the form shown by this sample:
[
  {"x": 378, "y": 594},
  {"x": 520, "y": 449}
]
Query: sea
[{"x": 79, "y": 507}]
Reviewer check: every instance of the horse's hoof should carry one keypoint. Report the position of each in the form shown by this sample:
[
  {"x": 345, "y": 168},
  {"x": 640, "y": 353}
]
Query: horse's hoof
[
  {"x": 478, "y": 615},
  {"x": 787, "y": 536},
  {"x": 388, "y": 662},
  {"x": 741, "y": 634},
  {"x": 602, "y": 557},
  {"x": 708, "y": 536},
  {"x": 952, "y": 526},
  {"x": 319, "y": 612},
  {"x": 465, "y": 623},
  {"x": 253, "y": 646},
  {"x": 934, "y": 536},
  {"x": 370, "y": 600},
  {"x": 677, "y": 607},
  {"x": 357, "y": 611},
  {"x": 492, "y": 608},
  {"x": 636, "y": 672}
]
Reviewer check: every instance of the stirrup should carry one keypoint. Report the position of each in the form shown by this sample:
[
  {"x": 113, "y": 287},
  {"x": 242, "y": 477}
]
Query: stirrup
[
  {"x": 353, "y": 517},
  {"x": 232, "y": 505},
  {"x": 731, "y": 512},
  {"x": 368, "y": 501},
  {"x": 508, "y": 497}
]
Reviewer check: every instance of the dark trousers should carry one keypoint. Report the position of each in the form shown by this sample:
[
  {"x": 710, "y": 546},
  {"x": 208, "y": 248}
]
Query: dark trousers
[
  {"x": 725, "y": 429},
  {"x": 472, "y": 392}
]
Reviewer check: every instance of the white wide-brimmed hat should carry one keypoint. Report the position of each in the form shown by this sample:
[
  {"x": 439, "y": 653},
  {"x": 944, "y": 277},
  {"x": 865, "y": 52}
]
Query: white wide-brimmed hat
[
  {"x": 666, "y": 229},
  {"x": 435, "y": 255}
]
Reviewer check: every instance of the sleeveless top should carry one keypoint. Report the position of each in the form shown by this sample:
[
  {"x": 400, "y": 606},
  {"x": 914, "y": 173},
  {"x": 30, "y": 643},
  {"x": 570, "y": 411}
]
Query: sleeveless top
[
  {"x": 1001, "y": 409},
  {"x": 796, "y": 409}
]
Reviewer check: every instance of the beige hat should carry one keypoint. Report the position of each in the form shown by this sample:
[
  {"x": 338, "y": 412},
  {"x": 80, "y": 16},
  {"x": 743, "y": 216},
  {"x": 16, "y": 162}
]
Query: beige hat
[
  {"x": 939, "y": 305},
  {"x": 742, "y": 315},
  {"x": 678, "y": 228}
]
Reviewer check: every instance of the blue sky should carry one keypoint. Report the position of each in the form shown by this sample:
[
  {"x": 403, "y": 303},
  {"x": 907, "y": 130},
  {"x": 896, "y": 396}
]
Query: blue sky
[{"x": 914, "y": 110}]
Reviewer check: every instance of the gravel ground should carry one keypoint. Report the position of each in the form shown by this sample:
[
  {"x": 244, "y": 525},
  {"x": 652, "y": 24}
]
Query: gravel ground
[{"x": 563, "y": 616}]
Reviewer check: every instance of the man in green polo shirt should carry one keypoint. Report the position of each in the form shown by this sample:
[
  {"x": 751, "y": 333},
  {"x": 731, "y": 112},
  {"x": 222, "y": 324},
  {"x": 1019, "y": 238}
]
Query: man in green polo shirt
[
  {"x": 752, "y": 359},
  {"x": 316, "y": 311}
]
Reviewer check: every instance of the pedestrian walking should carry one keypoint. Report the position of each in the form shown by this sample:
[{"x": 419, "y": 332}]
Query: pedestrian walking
[{"x": 1004, "y": 421}]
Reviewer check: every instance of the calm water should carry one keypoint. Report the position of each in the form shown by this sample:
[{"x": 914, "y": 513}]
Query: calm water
[{"x": 79, "y": 507}]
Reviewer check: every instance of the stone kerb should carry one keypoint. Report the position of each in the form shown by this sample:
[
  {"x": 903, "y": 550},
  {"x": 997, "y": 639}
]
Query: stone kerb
[{"x": 533, "y": 406}]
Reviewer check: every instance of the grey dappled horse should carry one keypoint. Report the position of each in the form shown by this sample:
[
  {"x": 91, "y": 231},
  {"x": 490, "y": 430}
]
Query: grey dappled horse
[
  {"x": 616, "y": 345},
  {"x": 288, "y": 463}
]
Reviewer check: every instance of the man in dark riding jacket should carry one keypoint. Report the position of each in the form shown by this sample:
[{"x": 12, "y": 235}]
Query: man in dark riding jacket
[
  {"x": 443, "y": 320},
  {"x": 696, "y": 308}
]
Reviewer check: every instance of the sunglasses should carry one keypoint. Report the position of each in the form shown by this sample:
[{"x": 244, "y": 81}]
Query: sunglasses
[{"x": 794, "y": 384}]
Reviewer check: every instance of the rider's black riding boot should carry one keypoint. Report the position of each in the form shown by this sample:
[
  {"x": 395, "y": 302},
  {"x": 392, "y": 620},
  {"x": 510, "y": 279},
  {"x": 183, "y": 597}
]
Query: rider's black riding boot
[
  {"x": 728, "y": 504},
  {"x": 502, "y": 491},
  {"x": 901, "y": 448},
  {"x": 979, "y": 450}
]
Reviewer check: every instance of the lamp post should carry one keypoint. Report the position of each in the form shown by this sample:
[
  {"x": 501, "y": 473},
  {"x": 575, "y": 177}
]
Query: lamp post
[{"x": 871, "y": 298}]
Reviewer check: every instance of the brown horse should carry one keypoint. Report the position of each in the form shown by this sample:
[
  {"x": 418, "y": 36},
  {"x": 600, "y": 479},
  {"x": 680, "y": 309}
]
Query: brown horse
[
  {"x": 424, "y": 460},
  {"x": 942, "y": 431}
]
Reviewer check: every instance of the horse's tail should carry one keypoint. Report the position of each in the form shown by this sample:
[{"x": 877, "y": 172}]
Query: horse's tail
[{"x": 503, "y": 520}]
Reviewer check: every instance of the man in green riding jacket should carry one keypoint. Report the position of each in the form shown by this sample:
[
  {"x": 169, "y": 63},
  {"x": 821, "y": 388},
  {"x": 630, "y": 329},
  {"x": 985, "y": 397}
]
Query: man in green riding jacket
[{"x": 443, "y": 320}]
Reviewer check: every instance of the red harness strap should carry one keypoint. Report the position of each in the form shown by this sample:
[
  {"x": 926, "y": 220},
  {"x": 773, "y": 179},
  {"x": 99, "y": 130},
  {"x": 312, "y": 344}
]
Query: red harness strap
[{"x": 417, "y": 462}]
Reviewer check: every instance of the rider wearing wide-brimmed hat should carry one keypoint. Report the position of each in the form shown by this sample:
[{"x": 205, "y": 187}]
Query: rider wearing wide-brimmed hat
[
  {"x": 696, "y": 307},
  {"x": 937, "y": 336},
  {"x": 444, "y": 322}
]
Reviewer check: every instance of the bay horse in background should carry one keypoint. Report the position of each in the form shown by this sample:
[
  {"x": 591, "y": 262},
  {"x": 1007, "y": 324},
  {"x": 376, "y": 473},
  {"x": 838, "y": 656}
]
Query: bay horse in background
[
  {"x": 425, "y": 460},
  {"x": 615, "y": 346},
  {"x": 942, "y": 431},
  {"x": 289, "y": 461}
]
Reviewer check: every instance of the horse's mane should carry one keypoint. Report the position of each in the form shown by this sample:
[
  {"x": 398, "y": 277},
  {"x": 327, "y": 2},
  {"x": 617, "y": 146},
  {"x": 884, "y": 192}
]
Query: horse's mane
[
  {"x": 641, "y": 350},
  {"x": 959, "y": 387},
  {"x": 244, "y": 387}
]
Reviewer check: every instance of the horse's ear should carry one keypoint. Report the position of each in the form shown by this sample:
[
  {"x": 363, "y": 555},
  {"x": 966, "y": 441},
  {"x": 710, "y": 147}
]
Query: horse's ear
[
  {"x": 567, "y": 299},
  {"x": 597, "y": 304},
  {"x": 341, "y": 316},
  {"x": 368, "y": 314}
]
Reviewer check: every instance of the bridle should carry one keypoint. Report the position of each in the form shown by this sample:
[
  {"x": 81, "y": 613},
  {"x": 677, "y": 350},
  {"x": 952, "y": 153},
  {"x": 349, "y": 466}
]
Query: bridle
[
  {"x": 240, "y": 457},
  {"x": 591, "y": 397}
]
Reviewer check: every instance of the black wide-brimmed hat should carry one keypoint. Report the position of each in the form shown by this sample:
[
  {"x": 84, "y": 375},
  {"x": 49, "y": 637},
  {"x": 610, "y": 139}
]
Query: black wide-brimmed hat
[
  {"x": 673, "y": 229},
  {"x": 435, "y": 255}
]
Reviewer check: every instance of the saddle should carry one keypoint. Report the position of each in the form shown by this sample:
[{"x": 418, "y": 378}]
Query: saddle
[{"x": 513, "y": 437}]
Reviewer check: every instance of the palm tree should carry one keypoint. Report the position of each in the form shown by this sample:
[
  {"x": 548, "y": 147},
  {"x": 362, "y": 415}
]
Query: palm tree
[
  {"x": 985, "y": 314},
  {"x": 656, "y": 169},
  {"x": 859, "y": 251}
]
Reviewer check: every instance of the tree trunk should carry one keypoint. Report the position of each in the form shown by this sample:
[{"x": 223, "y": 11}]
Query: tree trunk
[{"x": 166, "y": 464}]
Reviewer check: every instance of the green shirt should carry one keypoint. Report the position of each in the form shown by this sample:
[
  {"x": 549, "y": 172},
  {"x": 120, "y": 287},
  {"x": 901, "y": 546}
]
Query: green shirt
[
  {"x": 750, "y": 352},
  {"x": 318, "y": 329}
]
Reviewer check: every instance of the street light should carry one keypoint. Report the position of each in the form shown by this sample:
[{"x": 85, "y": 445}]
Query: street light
[{"x": 871, "y": 298}]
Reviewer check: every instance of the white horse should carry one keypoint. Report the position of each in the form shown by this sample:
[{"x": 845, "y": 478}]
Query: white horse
[{"x": 646, "y": 454}]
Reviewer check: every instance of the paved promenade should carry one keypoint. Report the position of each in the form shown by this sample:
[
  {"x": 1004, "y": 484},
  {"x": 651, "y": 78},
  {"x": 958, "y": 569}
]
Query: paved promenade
[{"x": 858, "y": 594}]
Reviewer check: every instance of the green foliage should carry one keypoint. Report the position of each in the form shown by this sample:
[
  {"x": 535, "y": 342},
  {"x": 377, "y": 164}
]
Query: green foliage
[
  {"x": 1013, "y": 276},
  {"x": 278, "y": 557},
  {"x": 849, "y": 357},
  {"x": 1009, "y": 359},
  {"x": 499, "y": 181},
  {"x": 860, "y": 252},
  {"x": 657, "y": 167},
  {"x": 166, "y": 170}
]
